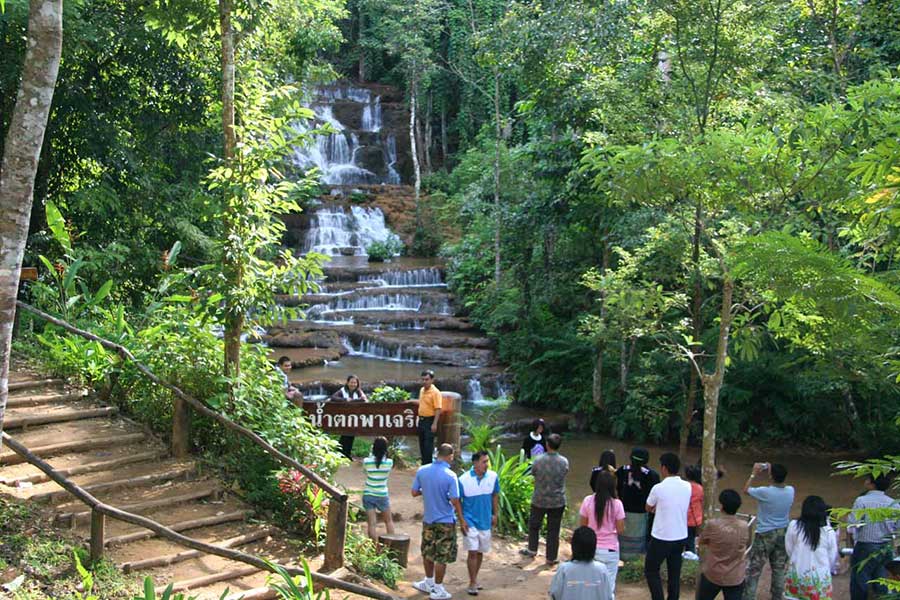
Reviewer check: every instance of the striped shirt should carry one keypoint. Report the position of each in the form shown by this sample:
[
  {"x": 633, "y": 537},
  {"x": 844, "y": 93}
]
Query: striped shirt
[
  {"x": 377, "y": 477},
  {"x": 873, "y": 532}
]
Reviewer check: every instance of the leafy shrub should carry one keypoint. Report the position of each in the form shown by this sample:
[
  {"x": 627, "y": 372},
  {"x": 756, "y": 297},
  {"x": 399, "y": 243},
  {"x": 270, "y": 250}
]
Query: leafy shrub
[
  {"x": 297, "y": 587},
  {"x": 516, "y": 489},
  {"x": 361, "y": 447},
  {"x": 306, "y": 505},
  {"x": 387, "y": 393},
  {"x": 382, "y": 251},
  {"x": 166, "y": 594},
  {"x": 368, "y": 560}
]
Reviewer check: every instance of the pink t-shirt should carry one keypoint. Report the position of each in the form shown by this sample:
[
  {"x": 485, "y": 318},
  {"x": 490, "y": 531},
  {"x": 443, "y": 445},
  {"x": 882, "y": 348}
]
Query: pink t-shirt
[{"x": 607, "y": 536}]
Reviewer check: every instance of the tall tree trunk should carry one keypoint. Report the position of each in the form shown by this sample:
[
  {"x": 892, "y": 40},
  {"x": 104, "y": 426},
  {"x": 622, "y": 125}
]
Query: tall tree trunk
[
  {"x": 712, "y": 385},
  {"x": 696, "y": 332},
  {"x": 412, "y": 142},
  {"x": 233, "y": 267},
  {"x": 597, "y": 384},
  {"x": 21, "y": 153},
  {"x": 445, "y": 146},
  {"x": 428, "y": 107},
  {"x": 498, "y": 217}
]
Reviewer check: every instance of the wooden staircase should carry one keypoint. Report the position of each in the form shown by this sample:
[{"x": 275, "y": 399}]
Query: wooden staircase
[{"x": 123, "y": 465}]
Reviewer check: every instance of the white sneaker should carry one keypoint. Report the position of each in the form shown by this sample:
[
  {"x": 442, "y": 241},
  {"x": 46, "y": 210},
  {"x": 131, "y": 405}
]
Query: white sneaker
[
  {"x": 424, "y": 587},
  {"x": 688, "y": 555},
  {"x": 440, "y": 593}
]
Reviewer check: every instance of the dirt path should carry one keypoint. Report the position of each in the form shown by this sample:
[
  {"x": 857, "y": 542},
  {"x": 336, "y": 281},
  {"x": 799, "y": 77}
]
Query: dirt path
[{"x": 505, "y": 574}]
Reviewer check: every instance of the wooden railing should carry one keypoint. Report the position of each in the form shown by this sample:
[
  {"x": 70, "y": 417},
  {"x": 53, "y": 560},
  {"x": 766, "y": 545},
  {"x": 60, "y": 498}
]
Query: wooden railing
[
  {"x": 99, "y": 512},
  {"x": 336, "y": 527}
]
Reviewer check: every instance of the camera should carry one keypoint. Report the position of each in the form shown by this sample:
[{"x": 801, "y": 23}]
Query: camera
[{"x": 761, "y": 466}]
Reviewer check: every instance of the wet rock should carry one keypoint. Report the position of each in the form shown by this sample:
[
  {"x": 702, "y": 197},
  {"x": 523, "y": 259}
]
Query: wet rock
[{"x": 302, "y": 339}]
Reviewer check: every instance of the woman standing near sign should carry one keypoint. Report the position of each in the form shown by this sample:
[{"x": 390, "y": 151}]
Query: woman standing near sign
[
  {"x": 375, "y": 495},
  {"x": 349, "y": 392}
]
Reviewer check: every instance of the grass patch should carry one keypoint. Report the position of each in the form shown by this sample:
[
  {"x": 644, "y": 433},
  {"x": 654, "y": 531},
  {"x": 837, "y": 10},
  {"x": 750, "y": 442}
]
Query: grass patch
[
  {"x": 633, "y": 571},
  {"x": 46, "y": 557}
]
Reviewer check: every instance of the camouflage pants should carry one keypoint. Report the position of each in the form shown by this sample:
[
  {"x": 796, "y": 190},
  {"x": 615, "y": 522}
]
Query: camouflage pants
[
  {"x": 439, "y": 542},
  {"x": 767, "y": 547}
]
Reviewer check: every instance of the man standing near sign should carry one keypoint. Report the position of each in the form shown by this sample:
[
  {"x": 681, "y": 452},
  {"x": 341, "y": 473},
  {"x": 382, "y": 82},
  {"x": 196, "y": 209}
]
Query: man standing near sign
[{"x": 429, "y": 415}]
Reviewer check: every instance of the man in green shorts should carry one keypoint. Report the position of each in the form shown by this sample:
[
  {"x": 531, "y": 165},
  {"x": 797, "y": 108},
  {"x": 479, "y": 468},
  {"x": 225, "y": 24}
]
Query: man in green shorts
[{"x": 439, "y": 488}]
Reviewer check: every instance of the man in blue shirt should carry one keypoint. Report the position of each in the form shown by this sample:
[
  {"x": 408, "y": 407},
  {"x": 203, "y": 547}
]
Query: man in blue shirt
[
  {"x": 439, "y": 488},
  {"x": 774, "y": 502},
  {"x": 479, "y": 491}
]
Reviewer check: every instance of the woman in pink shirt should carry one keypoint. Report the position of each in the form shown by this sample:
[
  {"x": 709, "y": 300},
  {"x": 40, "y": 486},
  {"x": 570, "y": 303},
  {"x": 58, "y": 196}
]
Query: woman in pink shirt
[{"x": 603, "y": 512}]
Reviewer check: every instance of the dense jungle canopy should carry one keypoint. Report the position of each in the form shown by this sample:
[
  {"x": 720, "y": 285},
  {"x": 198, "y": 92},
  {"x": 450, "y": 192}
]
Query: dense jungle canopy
[{"x": 614, "y": 186}]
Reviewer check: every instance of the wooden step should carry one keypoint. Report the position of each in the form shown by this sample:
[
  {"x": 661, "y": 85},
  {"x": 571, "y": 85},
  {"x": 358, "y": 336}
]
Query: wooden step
[
  {"x": 146, "y": 534},
  {"x": 262, "y": 593},
  {"x": 106, "y": 465},
  {"x": 29, "y": 384},
  {"x": 228, "y": 575},
  {"x": 24, "y": 401},
  {"x": 12, "y": 458},
  {"x": 71, "y": 519},
  {"x": 147, "y": 480},
  {"x": 171, "y": 559},
  {"x": 59, "y": 417}
]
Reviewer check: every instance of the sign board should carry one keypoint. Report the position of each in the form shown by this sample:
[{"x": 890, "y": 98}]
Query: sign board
[
  {"x": 28, "y": 274},
  {"x": 364, "y": 418}
]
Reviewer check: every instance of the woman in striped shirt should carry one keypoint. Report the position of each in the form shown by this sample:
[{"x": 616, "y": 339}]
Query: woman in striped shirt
[{"x": 375, "y": 494}]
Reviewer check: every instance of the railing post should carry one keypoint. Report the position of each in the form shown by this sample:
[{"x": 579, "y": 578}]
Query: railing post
[
  {"x": 181, "y": 429},
  {"x": 98, "y": 524},
  {"x": 335, "y": 534}
]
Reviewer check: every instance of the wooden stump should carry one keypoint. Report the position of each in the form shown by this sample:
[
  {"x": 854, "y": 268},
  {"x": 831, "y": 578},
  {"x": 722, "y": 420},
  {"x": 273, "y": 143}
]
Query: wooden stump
[
  {"x": 397, "y": 545},
  {"x": 450, "y": 424}
]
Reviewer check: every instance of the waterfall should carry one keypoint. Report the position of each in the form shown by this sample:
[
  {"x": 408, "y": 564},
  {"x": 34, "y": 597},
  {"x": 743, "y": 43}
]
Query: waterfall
[
  {"x": 334, "y": 155},
  {"x": 473, "y": 391},
  {"x": 371, "y": 117},
  {"x": 393, "y": 175},
  {"x": 428, "y": 277},
  {"x": 383, "y": 302},
  {"x": 334, "y": 231},
  {"x": 372, "y": 349}
]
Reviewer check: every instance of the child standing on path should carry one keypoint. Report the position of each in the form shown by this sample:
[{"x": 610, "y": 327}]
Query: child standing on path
[{"x": 376, "y": 498}]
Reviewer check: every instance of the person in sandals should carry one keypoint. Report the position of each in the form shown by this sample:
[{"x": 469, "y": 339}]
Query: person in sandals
[{"x": 479, "y": 492}]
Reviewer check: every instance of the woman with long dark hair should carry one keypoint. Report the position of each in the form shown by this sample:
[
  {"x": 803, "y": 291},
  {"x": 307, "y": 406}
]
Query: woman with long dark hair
[
  {"x": 695, "y": 510},
  {"x": 535, "y": 443},
  {"x": 607, "y": 462},
  {"x": 603, "y": 512},
  {"x": 376, "y": 498},
  {"x": 351, "y": 391},
  {"x": 812, "y": 551}
]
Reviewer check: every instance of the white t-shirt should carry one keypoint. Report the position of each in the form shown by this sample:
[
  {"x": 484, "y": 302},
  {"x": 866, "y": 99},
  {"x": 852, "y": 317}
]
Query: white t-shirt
[{"x": 672, "y": 498}]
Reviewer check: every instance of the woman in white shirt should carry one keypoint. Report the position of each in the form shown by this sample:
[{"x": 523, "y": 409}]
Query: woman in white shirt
[{"x": 812, "y": 550}]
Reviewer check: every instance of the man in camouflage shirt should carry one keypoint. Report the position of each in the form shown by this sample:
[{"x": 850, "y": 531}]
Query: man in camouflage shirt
[{"x": 549, "y": 498}]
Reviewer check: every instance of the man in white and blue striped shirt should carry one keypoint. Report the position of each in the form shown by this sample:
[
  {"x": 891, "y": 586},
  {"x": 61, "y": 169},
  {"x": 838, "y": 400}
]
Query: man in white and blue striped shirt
[{"x": 873, "y": 547}]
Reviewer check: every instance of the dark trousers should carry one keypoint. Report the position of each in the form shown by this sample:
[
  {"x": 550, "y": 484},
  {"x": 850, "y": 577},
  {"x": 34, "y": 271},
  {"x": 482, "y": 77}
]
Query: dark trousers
[
  {"x": 690, "y": 544},
  {"x": 707, "y": 590},
  {"x": 426, "y": 439},
  {"x": 868, "y": 563},
  {"x": 657, "y": 552},
  {"x": 536, "y": 519},
  {"x": 346, "y": 442}
]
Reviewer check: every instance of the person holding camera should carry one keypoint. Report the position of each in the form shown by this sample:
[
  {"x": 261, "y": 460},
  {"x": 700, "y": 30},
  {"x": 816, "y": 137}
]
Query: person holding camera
[{"x": 773, "y": 515}]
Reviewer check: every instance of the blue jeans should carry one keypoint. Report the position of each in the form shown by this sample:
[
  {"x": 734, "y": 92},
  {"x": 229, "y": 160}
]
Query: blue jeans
[{"x": 868, "y": 563}]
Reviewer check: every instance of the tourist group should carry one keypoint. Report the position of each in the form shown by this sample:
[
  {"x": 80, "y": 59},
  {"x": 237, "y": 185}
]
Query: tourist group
[{"x": 634, "y": 510}]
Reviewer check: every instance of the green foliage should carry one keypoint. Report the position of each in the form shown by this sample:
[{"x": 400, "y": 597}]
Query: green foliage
[
  {"x": 305, "y": 505},
  {"x": 295, "y": 587},
  {"x": 386, "y": 250},
  {"x": 633, "y": 572},
  {"x": 361, "y": 447},
  {"x": 516, "y": 489},
  {"x": 387, "y": 393},
  {"x": 370, "y": 561},
  {"x": 149, "y": 593},
  {"x": 53, "y": 560},
  {"x": 483, "y": 428}
]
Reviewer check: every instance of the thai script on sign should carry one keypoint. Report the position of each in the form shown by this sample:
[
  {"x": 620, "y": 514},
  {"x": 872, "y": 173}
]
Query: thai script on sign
[{"x": 364, "y": 418}]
